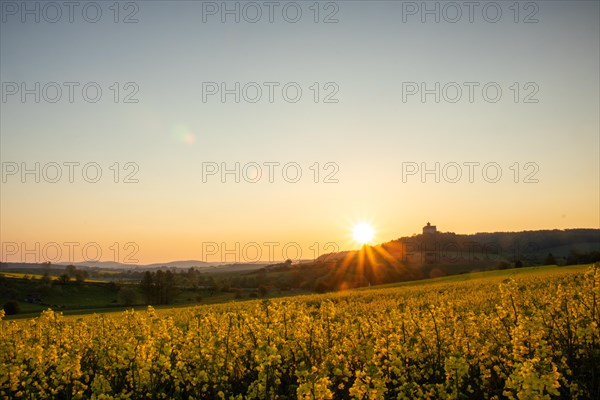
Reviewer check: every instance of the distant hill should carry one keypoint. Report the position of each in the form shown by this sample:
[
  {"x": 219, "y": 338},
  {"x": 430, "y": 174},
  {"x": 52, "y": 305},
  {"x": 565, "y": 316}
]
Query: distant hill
[
  {"x": 449, "y": 247},
  {"x": 180, "y": 264},
  {"x": 531, "y": 247},
  {"x": 115, "y": 265},
  {"x": 447, "y": 253},
  {"x": 185, "y": 264}
]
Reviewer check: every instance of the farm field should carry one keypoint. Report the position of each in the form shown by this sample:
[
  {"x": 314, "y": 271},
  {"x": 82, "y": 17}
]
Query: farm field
[{"x": 516, "y": 334}]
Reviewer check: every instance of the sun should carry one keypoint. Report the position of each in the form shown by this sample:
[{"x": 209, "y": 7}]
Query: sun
[{"x": 363, "y": 233}]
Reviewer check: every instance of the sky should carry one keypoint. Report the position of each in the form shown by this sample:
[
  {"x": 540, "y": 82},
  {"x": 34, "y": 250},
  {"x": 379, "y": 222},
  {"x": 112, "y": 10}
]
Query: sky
[{"x": 133, "y": 131}]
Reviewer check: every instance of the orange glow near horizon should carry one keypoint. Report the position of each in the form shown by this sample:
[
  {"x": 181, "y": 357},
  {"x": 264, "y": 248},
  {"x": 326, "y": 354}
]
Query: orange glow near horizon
[{"x": 365, "y": 265}]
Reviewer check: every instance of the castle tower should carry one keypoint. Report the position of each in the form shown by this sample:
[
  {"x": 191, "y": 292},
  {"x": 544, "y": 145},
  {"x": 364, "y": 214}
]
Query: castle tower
[{"x": 427, "y": 229}]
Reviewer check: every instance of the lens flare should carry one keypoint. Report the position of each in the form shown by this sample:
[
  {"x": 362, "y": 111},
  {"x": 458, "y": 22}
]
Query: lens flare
[{"x": 183, "y": 134}]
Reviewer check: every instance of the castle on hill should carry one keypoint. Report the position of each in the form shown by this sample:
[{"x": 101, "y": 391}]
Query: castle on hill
[{"x": 428, "y": 229}]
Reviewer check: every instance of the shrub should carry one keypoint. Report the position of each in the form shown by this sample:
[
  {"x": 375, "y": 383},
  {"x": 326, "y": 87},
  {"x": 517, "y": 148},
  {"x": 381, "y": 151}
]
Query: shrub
[{"x": 11, "y": 308}]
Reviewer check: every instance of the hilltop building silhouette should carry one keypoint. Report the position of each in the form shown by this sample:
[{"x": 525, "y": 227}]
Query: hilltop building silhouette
[{"x": 428, "y": 229}]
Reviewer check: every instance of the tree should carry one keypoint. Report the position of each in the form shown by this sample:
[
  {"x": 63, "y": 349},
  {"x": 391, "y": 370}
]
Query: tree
[
  {"x": 46, "y": 268},
  {"x": 147, "y": 287},
  {"x": 64, "y": 279},
  {"x": 11, "y": 308},
  {"x": 80, "y": 276},
  {"x": 322, "y": 287},
  {"x": 263, "y": 290},
  {"x": 128, "y": 295},
  {"x": 71, "y": 270},
  {"x": 169, "y": 287},
  {"x": 594, "y": 256},
  {"x": 225, "y": 287},
  {"x": 503, "y": 265},
  {"x": 550, "y": 260},
  {"x": 159, "y": 281},
  {"x": 46, "y": 279},
  {"x": 158, "y": 287},
  {"x": 112, "y": 286},
  {"x": 572, "y": 258}
]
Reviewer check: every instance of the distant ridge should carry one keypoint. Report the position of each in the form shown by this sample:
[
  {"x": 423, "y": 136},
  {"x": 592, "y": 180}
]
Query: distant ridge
[
  {"x": 182, "y": 264},
  {"x": 169, "y": 264},
  {"x": 538, "y": 243}
]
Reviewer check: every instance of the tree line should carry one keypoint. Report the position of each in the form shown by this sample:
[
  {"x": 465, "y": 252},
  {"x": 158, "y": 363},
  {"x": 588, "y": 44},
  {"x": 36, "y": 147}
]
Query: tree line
[{"x": 158, "y": 287}]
